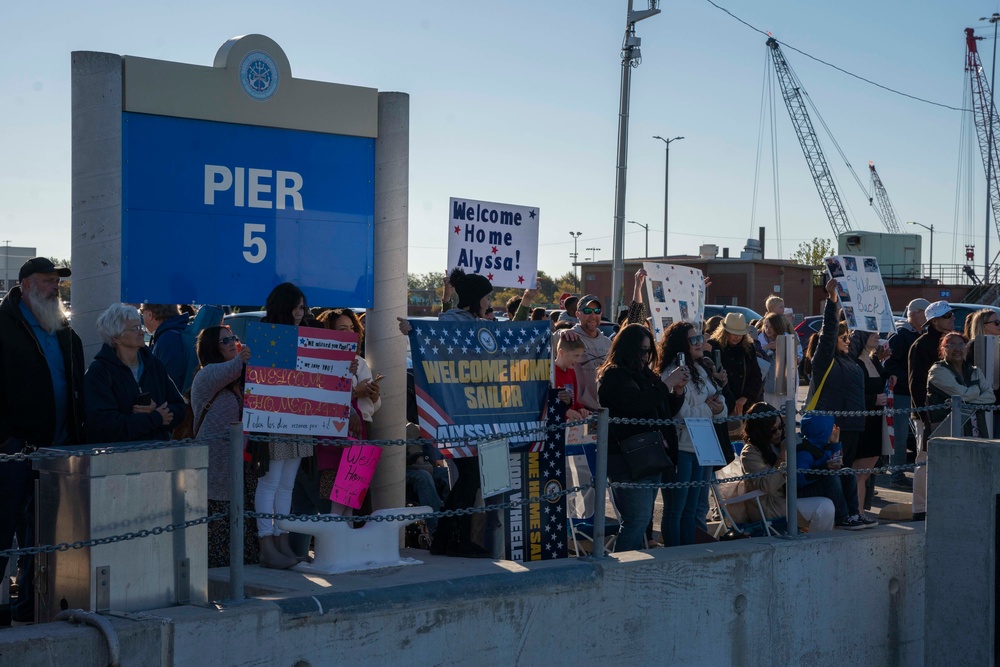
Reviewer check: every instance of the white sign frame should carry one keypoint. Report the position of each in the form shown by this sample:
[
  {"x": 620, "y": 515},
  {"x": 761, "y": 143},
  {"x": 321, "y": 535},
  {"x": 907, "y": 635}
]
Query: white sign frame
[
  {"x": 861, "y": 293},
  {"x": 707, "y": 447},
  {"x": 499, "y": 241},
  {"x": 494, "y": 467},
  {"x": 673, "y": 293}
]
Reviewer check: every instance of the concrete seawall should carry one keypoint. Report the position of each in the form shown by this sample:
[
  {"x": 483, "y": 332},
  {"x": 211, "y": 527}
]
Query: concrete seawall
[{"x": 836, "y": 599}]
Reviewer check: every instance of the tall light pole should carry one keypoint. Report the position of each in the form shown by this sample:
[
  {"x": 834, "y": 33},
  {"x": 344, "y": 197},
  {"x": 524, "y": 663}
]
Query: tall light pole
[
  {"x": 631, "y": 57},
  {"x": 666, "y": 190},
  {"x": 576, "y": 271},
  {"x": 593, "y": 253},
  {"x": 6, "y": 266},
  {"x": 646, "y": 227},
  {"x": 931, "y": 230}
]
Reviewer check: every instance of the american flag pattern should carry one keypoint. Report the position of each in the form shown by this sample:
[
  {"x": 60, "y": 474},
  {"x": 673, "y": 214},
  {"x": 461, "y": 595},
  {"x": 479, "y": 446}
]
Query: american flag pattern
[{"x": 298, "y": 380}]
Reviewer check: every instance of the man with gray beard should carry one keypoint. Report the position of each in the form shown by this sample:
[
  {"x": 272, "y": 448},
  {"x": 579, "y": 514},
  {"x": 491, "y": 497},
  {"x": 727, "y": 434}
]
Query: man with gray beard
[{"x": 41, "y": 403}]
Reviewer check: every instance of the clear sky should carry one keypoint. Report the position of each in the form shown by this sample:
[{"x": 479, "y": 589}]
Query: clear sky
[{"x": 517, "y": 101}]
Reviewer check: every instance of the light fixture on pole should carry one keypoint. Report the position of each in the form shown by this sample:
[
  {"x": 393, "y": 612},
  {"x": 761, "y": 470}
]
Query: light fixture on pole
[
  {"x": 576, "y": 272},
  {"x": 593, "y": 253},
  {"x": 631, "y": 57},
  {"x": 646, "y": 227},
  {"x": 931, "y": 230},
  {"x": 666, "y": 190}
]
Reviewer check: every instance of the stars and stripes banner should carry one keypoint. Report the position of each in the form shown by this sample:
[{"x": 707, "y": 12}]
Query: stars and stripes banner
[
  {"x": 298, "y": 380},
  {"x": 538, "y": 531},
  {"x": 480, "y": 379}
]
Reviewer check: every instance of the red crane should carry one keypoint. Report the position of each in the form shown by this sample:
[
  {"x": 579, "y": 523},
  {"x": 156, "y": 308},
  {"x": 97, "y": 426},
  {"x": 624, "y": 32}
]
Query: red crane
[{"x": 987, "y": 124}]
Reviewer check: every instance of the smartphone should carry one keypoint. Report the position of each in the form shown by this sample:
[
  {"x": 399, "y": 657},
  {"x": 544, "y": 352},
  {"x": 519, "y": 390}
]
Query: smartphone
[
  {"x": 680, "y": 359},
  {"x": 717, "y": 358},
  {"x": 143, "y": 399},
  {"x": 378, "y": 378}
]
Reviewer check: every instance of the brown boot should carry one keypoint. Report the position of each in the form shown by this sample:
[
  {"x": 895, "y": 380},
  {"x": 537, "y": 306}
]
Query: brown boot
[
  {"x": 285, "y": 547},
  {"x": 271, "y": 557}
]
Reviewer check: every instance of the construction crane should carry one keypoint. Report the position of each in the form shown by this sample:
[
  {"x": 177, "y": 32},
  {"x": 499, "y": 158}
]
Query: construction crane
[
  {"x": 987, "y": 123},
  {"x": 884, "y": 208},
  {"x": 818, "y": 167}
]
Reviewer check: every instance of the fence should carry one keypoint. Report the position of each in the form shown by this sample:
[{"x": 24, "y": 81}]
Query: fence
[{"x": 238, "y": 513}]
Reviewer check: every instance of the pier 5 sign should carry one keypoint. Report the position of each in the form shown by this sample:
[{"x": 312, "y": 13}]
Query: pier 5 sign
[{"x": 238, "y": 177}]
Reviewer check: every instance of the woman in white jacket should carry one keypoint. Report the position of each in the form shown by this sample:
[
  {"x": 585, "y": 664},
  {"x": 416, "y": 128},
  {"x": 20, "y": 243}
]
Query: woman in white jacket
[
  {"x": 366, "y": 388},
  {"x": 682, "y": 345},
  {"x": 953, "y": 375}
]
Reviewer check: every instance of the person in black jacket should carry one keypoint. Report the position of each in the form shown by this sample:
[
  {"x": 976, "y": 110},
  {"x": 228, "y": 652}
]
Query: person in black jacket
[
  {"x": 129, "y": 394},
  {"x": 41, "y": 402},
  {"x": 628, "y": 387},
  {"x": 898, "y": 368},
  {"x": 844, "y": 387},
  {"x": 923, "y": 355},
  {"x": 739, "y": 360}
]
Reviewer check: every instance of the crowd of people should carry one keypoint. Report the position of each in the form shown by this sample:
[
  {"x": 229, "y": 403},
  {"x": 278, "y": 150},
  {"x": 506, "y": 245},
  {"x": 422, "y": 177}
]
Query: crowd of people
[{"x": 725, "y": 367}]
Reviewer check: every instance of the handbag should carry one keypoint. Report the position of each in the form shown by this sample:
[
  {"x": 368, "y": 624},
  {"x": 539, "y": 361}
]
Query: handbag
[{"x": 645, "y": 454}]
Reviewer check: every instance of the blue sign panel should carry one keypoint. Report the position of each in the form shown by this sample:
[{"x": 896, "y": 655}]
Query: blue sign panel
[{"x": 220, "y": 213}]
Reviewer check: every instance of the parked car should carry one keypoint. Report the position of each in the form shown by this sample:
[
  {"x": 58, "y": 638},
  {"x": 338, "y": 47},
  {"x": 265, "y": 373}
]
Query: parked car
[
  {"x": 963, "y": 310},
  {"x": 722, "y": 311}
]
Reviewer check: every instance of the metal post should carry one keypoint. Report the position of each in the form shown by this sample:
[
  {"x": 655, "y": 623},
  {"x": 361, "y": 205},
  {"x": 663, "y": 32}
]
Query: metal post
[
  {"x": 600, "y": 483},
  {"x": 791, "y": 473},
  {"x": 618, "y": 252},
  {"x": 666, "y": 199},
  {"x": 236, "y": 512},
  {"x": 956, "y": 416}
]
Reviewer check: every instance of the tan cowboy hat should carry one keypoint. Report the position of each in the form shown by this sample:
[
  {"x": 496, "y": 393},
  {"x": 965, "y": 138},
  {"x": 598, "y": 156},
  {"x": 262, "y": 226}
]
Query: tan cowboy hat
[{"x": 735, "y": 324}]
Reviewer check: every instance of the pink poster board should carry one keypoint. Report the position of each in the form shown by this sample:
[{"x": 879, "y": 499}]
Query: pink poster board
[{"x": 354, "y": 475}]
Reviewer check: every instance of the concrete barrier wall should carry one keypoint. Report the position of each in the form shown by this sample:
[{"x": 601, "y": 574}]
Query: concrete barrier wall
[{"x": 839, "y": 599}]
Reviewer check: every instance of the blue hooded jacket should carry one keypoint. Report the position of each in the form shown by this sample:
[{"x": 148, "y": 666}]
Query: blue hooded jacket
[{"x": 815, "y": 450}]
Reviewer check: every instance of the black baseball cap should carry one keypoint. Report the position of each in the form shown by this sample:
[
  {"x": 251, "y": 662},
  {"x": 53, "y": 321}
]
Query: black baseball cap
[{"x": 41, "y": 265}]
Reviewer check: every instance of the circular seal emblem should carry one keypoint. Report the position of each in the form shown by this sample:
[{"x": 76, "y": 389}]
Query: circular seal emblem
[
  {"x": 259, "y": 75},
  {"x": 486, "y": 339},
  {"x": 553, "y": 486}
]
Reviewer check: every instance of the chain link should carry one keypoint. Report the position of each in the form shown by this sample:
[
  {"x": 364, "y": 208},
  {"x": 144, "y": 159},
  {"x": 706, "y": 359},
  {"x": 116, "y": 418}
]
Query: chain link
[
  {"x": 764, "y": 473},
  {"x": 97, "y": 541},
  {"x": 98, "y": 450}
]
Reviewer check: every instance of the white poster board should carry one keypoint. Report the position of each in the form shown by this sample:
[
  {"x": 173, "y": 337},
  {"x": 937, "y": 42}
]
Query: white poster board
[
  {"x": 706, "y": 441},
  {"x": 499, "y": 241},
  {"x": 861, "y": 293},
  {"x": 674, "y": 293},
  {"x": 494, "y": 467}
]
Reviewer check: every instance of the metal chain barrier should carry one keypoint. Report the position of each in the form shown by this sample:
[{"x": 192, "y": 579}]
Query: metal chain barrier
[
  {"x": 159, "y": 530},
  {"x": 882, "y": 470},
  {"x": 555, "y": 495},
  {"x": 97, "y": 450}
]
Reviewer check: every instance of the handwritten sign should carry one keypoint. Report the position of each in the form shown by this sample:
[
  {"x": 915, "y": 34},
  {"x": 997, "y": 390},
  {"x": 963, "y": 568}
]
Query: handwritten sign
[
  {"x": 499, "y": 241},
  {"x": 705, "y": 440},
  {"x": 298, "y": 380},
  {"x": 861, "y": 293},
  {"x": 674, "y": 293},
  {"x": 354, "y": 475}
]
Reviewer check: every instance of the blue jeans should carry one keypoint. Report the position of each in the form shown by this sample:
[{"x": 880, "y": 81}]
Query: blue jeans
[
  {"x": 841, "y": 489},
  {"x": 636, "y": 509},
  {"x": 901, "y": 430},
  {"x": 680, "y": 506},
  {"x": 421, "y": 484}
]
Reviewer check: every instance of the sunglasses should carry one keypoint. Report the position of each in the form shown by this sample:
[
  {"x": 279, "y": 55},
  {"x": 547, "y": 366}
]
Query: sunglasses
[
  {"x": 646, "y": 351},
  {"x": 229, "y": 339},
  {"x": 948, "y": 315},
  {"x": 590, "y": 311},
  {"x": 845, "y": 336},
  {"x": 993, "y": 322},
  {"x": 696, "y": 340}
]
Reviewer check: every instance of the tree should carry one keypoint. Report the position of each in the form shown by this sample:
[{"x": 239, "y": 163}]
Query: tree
[
  {"x": 812, "y": 253},
  {"x": 425, "y": 281}
]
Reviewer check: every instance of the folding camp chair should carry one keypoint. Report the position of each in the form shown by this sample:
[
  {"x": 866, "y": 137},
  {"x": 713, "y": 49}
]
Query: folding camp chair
[
  {"x": 582, "y": 528},
  {"x": 728, "y": 495}
]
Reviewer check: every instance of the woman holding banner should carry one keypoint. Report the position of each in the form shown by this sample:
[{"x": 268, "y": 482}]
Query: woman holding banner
[
  {"x": 286, "y": 304},
  {"x": 629, "y": 388}
]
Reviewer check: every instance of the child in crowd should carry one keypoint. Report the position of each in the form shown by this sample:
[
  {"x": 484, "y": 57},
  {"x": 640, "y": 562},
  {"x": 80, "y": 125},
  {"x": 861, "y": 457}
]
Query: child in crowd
[
  {"x": 820, "y": 449},
  {"x": 568, "y": 355}
]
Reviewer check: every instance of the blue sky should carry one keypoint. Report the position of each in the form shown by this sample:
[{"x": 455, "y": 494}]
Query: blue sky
[{"x": 517, "y": 101}]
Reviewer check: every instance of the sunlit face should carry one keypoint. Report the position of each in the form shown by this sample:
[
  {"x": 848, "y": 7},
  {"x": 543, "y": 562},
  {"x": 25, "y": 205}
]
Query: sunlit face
[
  {"x": 590, "y": 317},
  {"x": 299, "y": 312},
  {"x": 569, "y": 358},
  {"x": 954, "y": 352},
  {"x": 991, "y": 324},
  {"x": 843, "y": 342},
  {"x": 944, "y": 324},
  {"x": 343, "y": 323},
  {"x": 696, "y": 344},
  {"x": 228, "y": 344},
  {"x": 484, "y": 303},
  {"x": 769, "y": 331},
  {"x": 133, "y": 336}
]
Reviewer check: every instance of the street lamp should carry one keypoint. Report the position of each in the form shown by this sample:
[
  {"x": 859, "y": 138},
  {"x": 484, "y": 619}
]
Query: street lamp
[
  {"x": 631, "y": 57},
  {"x": 646, "y": 227},
  {"x": 931, "y": 230},
  {"x": 593, "y": 253},
  {"x": 666, "y": 190},
  {"x": 576, "y": 273}
]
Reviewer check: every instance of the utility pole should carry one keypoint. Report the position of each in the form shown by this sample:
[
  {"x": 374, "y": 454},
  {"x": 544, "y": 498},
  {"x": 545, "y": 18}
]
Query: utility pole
[
  {"x": 666, "y": 191},
  {"x": 631, "y": 56},
  {"x": 6, "y": 266},
  {"x": 593, "y": 253},
  {"x": 576, "y": 269},
  {"x": 646, "y": 227}
]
